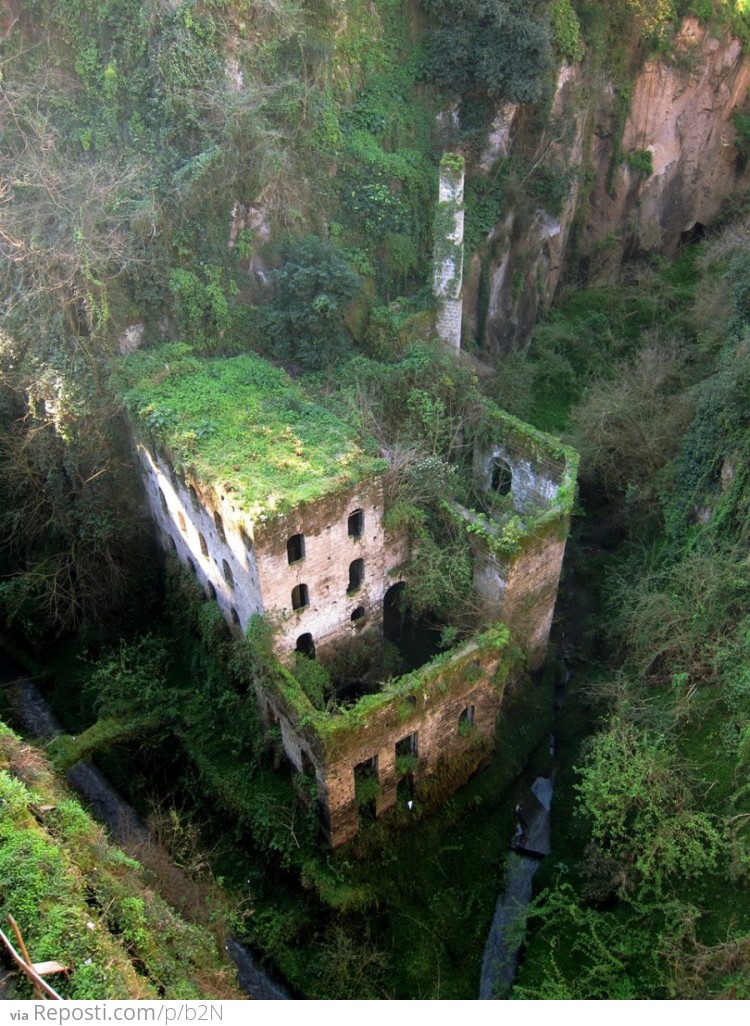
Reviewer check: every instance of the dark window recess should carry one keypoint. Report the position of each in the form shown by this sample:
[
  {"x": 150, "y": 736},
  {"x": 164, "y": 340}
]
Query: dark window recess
[
  {"x": 366, "y": 787},
  {"x": 220, "y": 527},
  {"x": 246, "y": 539},
  {"x": 405, "y": 789},
  {"x": 358, "y": 614},
  {"x": 300, "y": 597},
  {"x": 163, "y": 501},
  {"x": 172, "y": 543},
  {"x": 356, "y": 574},
  {"x": 407, "y": 746},
  {"x": 305, "y": 645},
  {"x": 357, "y": 523},
  {"x": 228, "y": 575},
  {"x": 194, "y": 498},
  {"x": 211, "y": 590},
  {"x": 191, "y": 564},
  {"x": 235, "y": 617},
  {"x": 181, "y": 522},
  {"x": 204, "y": 547},
  {"x": 466, "y": 719},
  {"x": 502, "y": 477},
  {"x": 295, "y": 548}
]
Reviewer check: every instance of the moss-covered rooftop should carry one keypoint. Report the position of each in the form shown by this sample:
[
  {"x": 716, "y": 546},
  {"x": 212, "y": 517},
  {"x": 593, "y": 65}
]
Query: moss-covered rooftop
[{"x": 242, "y": 424}]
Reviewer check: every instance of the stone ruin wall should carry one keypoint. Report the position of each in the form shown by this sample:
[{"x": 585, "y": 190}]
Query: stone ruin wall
[
  {"x": 328, "y": 552},
  {"x": 431, "y": 710},
  {"x": 248, "y": 571},
  {"x": 522, "y": 589},
  {"x": 447, "y": 284}
]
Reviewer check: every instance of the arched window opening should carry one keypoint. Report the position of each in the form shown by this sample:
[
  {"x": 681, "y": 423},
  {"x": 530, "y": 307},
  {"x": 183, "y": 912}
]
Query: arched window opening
[
  {"x": 228, "y": 575},
  {"x": 172, "y": 543},
  {"x": 356, "y": 525},
  {"x": 181, "y": 522},
  {"x": 204, "y": 547},
  {"x": 356, "y": 574},
  {"x": 235, "y": 617},
  {"x": 191, "y": 564},
  {"x": 163, "y": 501},
  {"x": 211, "y": 590},
  {"x": 305, "y": 645},
  {"x": 295, "y": 548},
  {"x": 502, "y": 477},
  {"x": 358, "y": 615},
  {"x": 246, "y": 540},
  {"x": 219, "y": 526},
  {"x": 194, "y": 498},
  {"x": 300, "y": 597}
]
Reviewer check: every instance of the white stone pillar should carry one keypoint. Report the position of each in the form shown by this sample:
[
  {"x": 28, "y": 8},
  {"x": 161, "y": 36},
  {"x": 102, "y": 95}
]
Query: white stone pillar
[{"x": 448, "y": 253}]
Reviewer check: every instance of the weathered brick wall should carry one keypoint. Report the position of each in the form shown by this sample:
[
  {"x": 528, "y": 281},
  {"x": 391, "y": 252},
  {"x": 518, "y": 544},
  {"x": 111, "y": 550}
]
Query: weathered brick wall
[
  {"x": 440, "y": 697},
  {"x": 531, "y": 591},
  {"x": 249, "y": 571},
  {"x": 329, "y": 551},
  {"x": 430, "y": 705}
]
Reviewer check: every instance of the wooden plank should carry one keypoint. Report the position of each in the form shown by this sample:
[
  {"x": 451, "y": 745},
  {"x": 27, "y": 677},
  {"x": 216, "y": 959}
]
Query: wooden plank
[
  {"x": 24, "y": 952},
  {"x": 49, "y": 968},
  {"x": 27, "y": 969}
]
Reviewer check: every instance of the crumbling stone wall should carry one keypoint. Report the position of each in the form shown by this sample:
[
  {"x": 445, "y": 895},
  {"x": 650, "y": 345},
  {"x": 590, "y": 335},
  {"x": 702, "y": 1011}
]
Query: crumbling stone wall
[{"x": 450, "y": 708}]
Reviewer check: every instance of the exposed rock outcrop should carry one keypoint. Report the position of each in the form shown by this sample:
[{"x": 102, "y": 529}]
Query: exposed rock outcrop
[{"x": 681, "y": 114}]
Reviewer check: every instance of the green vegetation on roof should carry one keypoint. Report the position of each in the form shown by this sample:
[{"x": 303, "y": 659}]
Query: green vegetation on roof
[{"x": 242, "y": 425}]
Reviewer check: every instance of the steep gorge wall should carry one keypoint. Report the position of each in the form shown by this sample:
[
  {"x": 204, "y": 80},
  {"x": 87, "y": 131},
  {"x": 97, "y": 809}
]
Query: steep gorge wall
[{"x": 681, "y": 113}]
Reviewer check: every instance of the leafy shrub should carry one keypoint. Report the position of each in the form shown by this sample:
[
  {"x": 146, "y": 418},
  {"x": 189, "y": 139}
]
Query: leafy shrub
[
  {"x": 644, "y": 834},
  {"x": 312, "y": 290},
  {"x": 499, "y": 47},
  {"x": 566, "y": 32},
  {"x": 640, "y": 160}
]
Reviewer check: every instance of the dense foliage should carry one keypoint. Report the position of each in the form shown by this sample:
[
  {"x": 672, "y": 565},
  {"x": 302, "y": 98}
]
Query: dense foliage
[{"x": 224, "y": 178}]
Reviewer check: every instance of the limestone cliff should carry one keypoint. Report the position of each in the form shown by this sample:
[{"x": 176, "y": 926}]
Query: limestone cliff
[{"x": 681, "y": 113}]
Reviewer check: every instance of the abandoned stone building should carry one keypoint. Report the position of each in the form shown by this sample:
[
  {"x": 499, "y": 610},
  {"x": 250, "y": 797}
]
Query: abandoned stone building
[{"x": 278, "y": 510}]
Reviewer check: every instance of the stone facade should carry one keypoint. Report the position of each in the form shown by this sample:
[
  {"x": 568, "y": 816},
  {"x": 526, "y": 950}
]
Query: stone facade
[
  {"x": 333, "y": 559},
  {"x": 322, "y": 570},
  {"x": 445, "y": 713}
]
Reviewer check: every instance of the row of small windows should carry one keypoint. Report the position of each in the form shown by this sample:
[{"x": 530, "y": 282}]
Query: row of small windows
[
  {"x": 409, "y": 745},
  {"x": 295, "y": 546},
  {"x": 301, "y": 592}
]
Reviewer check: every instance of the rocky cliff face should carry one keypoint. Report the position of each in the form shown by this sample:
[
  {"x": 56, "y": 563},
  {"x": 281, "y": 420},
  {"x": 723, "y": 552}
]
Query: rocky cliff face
[{"x": 681, "y": 114}]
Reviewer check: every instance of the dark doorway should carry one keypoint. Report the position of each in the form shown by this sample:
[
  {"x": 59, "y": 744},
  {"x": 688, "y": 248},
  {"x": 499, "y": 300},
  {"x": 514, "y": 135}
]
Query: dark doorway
[
  {"x": 416, "y": 640},
  {"x": 502, "y": 477},
  {"x": 300, "y": 596},
  {"x": 305, "y": 645}
]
